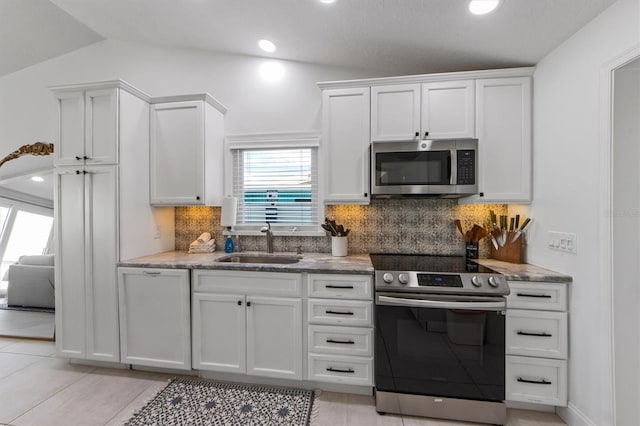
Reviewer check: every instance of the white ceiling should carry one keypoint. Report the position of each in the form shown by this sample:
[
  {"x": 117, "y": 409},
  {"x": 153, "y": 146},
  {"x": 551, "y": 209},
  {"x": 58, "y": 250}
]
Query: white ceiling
[
  {"x": 25, "y": 185},
  {"x": 387, "y": 37}
]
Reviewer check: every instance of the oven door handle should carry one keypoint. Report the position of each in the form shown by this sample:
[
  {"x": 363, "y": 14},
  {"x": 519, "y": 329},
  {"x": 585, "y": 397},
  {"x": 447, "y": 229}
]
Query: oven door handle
[{"x": 441, "y": 304}]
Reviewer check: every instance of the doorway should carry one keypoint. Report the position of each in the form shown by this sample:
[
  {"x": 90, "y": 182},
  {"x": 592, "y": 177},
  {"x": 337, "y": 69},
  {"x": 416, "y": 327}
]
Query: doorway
[{"x": 625, "y": 174}]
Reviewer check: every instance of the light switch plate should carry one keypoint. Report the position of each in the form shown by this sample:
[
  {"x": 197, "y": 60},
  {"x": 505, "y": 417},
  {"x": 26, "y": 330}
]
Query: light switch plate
[{"x": 563, "y": 241}]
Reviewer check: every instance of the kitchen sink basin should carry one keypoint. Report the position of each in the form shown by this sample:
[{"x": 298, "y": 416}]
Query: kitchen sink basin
[{"x": 260, "y": 258}]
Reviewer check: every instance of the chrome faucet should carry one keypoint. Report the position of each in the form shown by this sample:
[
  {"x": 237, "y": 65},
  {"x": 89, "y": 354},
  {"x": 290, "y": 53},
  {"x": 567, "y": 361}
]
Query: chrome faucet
[{"x": 269, "y": 235}]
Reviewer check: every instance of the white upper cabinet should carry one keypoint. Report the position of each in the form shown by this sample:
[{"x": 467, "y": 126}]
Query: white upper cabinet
[
  {"x": 186, "y": 151},
  {"x": 345, "y": 134},
  {"x": 395, "y": 112},
  {"x": 503, "y": 128},
  {"x": 448, "y": 109},
  {"x": 86, "y": 128},
  {"x": 435, "y": 110}
]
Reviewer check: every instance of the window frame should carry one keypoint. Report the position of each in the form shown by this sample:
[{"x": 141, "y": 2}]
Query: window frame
[{"x": 266, "y": 141}]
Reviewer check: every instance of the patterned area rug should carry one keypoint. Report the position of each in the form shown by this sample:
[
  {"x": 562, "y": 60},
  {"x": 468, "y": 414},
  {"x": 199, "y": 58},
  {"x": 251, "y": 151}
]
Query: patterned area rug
[{"x": 199, "y": 402}]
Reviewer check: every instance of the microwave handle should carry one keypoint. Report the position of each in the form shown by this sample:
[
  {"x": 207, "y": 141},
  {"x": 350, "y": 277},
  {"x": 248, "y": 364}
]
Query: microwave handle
[{"x": 453, "y": 168}]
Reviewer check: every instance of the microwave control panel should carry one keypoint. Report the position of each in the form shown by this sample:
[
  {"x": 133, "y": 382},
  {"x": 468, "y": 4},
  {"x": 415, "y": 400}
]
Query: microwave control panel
[{"x": 466, "y": 167}]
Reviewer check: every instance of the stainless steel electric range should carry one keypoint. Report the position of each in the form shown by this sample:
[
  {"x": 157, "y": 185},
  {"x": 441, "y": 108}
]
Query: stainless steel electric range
[{"x": 440, "y": 342}]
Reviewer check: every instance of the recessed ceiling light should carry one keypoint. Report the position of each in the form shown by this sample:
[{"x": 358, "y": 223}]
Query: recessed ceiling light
[
  {"x": 327, "y": 1},
  {"x": 37, "y": 179},
  {"x": 481, "y": 7},
  {"x": 267, "y": 46}
]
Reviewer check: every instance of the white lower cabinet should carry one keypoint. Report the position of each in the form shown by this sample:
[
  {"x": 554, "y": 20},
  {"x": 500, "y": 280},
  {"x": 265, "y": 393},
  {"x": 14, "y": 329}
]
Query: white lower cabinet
[
  {"x": 245, "y": 331},
  {"x": 340, "y": 329},
  {"x": 536, "y": 343},
  {"x": 155, "y": 327}
]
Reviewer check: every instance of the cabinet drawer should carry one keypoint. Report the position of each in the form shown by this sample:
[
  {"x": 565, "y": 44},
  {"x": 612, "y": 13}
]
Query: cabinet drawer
[
  {"x": 344, "y": 312},
  {"x": 537, "y": 295},
  {"x": 239, "y": 282},
  {"x": 537, "y": 380},
  {"x": 536, "y": 333},
  {"x": 340, "y": 286},
  {"x": 346, "y": 370},
  {"x": 341, "y": 340}
]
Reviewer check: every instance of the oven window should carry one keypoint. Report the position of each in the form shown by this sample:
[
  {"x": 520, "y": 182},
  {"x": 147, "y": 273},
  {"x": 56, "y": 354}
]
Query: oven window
[
  {"x": 440, "y": 352},
  {"x": 413, "y": 168}
]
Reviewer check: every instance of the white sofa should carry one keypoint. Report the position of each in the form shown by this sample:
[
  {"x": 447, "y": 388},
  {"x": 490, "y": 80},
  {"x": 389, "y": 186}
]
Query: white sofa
[{"x": 31, "y": 282}]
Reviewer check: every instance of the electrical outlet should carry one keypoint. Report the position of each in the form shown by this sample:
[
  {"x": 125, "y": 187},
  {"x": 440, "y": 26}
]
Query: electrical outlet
[{"x": 562, "y": 241}]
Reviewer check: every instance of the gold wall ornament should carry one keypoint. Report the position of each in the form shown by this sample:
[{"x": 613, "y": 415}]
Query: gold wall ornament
[{"x": 38, "y": 148}]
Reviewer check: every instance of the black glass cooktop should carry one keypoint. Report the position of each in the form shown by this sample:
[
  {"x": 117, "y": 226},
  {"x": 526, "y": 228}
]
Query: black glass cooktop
[{"x": 426, "y": 263}]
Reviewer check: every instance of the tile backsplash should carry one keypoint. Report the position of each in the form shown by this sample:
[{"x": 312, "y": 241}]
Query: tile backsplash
[{"x": 389, "y": 226}]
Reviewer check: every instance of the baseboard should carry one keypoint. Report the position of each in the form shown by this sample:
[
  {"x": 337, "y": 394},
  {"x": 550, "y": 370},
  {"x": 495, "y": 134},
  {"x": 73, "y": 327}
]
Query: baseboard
[
  {"x": 530, "y": 406},
  {"x": 572, "y": 416},
  {"x": 104, "y": 364},
  {"x": 164, "y": 370}
]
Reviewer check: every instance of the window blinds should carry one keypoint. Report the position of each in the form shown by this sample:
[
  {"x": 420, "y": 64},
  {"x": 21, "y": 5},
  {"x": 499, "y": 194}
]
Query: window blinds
[{"x": 279, "y": 186}]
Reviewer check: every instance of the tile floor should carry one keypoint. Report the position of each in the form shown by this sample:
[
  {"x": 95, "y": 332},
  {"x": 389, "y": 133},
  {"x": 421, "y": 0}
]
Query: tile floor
[
  {"x": 36, "y": 388},
  {"x": 26, "y": 324}
]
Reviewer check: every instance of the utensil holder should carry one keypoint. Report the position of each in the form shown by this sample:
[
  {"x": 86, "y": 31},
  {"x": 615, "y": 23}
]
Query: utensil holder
[
  {"x": 512, "y": 252},
  {"x": 471, "y": 251},
  {"x": 339, "y": 246}
]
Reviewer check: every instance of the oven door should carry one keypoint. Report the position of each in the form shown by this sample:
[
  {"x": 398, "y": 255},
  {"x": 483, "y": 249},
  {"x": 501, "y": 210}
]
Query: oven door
[{"x": 447, "y": 346}]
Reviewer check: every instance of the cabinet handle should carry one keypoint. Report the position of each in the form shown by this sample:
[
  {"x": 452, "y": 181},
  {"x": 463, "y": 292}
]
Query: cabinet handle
[
  {"x": 249, "y": 304},
  {"x": 342, "y": 342},
  {"x": 535, "y": 382},
  {"x": 239, "y": 302},
  {"x": 87, "y": 158},
  {"x": 366, "y": 194},
  {"x": 340, "y": 370},
  {"x": 539, "y": 296},
  {"x": 417, "y": 134},
  {"x": 481, "y": 194},
  {"x": 349, "y": 287},
  {"x": 84, "y": 172},
  {"x": 78, "y": 158},
  {"x": 337, "y": 313},
  {"x": 151, "y": 273},
  {"x": 527, "y": 333},
  {"x": 197, "y": 197},
  {"x": 426, "y": 134},
  {"x": 78, "y": 172}
]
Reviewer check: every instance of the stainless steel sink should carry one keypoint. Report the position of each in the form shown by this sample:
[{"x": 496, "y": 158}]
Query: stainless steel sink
[{"x": 260, "y": 258}]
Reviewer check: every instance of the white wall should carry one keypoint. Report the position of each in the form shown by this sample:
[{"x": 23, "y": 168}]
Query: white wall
[
  {"x": 255, "y": 105},
  {"x": 566, "y": 149},
  {"x": 626, "y": 242}
]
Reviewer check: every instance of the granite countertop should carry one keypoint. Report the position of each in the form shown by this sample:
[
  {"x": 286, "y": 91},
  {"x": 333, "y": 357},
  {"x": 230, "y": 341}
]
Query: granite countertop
[
  {"x": 310, "y": 262},
  {"x": 524, "y": 271}
]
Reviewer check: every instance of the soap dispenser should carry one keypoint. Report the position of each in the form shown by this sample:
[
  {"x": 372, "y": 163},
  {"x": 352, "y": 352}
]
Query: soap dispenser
[{"x": 228, "y": 244}]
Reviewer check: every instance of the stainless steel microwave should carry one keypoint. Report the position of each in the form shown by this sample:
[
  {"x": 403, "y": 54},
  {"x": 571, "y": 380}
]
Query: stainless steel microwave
[{"x": 428, "y": 168}]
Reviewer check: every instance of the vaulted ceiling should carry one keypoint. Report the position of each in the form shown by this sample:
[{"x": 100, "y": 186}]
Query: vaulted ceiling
[{"x": 388, "y": 37}]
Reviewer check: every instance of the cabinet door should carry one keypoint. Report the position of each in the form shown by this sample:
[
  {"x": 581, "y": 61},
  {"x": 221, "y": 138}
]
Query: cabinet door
[
  {"x": 177, "y": 153},
  {"x": 448, "y": 109},
  {"x": 274, "y": 337},
  {"x": 69, "y": 132},
  {"x": 155, "y": 331},
  {"x": 69, "y": 269},
  {"x": 345, "y": 132},
  {"x": 101, "y": 257},
  {"x": 395, "y": 112},
  {"x": 503, "y": 128},
  {"x": 219, "y": 338},
  {"x": 101, "y": 126}
]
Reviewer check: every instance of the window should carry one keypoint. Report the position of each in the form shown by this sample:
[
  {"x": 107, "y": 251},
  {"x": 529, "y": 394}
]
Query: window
[
  {"x": 25, "y": 230},
  {"x": 274, "y": 177},
  {"x": 276, "y": 185}
]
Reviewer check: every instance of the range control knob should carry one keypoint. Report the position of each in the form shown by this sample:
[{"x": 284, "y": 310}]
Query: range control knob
[
  {"x": 493, "y": 282},
  {"x": 403, "y": 278},
  {"x": 387, "y": 278},
  {"x": 476, "y": 281}
]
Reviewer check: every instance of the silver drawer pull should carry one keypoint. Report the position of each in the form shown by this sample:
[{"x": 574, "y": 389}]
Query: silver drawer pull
[
  {"x": 340, "y": 370},
  {"x": 150, "y": 273},
  {"x": 528, "y": 333},
  {"x": 337, "y": 312},
  {"x": 535, "y": 382},
  {"x": 342, "y": 342},
  {"x": 343, "y": 287},
  {"x": 539, "y": 296}
]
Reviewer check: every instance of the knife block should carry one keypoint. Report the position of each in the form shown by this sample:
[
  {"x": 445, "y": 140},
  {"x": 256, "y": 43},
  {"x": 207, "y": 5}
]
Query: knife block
[{"x": 511, "y": 252}]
